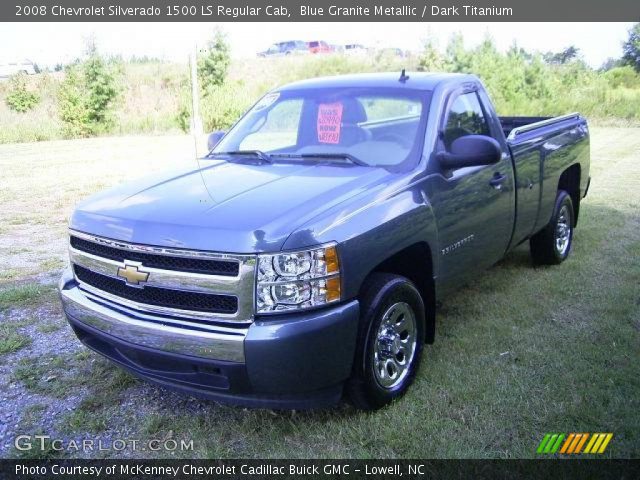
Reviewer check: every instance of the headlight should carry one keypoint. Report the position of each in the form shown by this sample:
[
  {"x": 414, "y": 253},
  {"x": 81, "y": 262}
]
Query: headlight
[{"x": 296, "y": 280}]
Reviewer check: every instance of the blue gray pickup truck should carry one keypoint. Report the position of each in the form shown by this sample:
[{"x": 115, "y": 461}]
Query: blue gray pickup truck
[{"x": 302, "y": 258}]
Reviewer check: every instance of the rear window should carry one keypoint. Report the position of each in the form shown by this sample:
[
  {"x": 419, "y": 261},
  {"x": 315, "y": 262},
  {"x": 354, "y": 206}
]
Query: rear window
[{"x": 388, "y": 108}]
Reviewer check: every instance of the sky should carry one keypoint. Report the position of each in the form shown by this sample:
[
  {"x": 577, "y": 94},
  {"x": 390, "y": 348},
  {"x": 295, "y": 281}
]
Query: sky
[{"x": 50, "y": 43}]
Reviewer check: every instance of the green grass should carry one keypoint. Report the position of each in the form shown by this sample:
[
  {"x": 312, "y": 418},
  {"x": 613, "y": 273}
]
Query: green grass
[
  {"x": 22, "y": 295},
  {"x": 11, "y": 340},
  {"x": 44, "y": 375},
  {"x": 57, "y": 375},
  {"x": 31, "y": 415},
  {"x": 520, "y": 352},
  {"x": 90, "y": 416},
  {"x": 51, "y": 264},
  {"x": 48, "y": 327},
  {"x": 9, "y": 274}
]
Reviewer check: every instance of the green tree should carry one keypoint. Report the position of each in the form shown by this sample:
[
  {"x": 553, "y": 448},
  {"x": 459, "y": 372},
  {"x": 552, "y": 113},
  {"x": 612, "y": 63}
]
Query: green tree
[
  {"x": 213, "y": 63},
  {"x": 430, "y": 59},
  {"x": 458, "y": 59},
  {"x": 517, "y": 51},
  {"x": 610, "y": 64},
  {"x": 72, "y": 106},
  {"x": 101, "y": 87},
  {"x": 563, "y": 57},
  {"x": 88, "y": 94},
  {"x": 631, "y": 48},
  {"x": 20, "y": 98}
]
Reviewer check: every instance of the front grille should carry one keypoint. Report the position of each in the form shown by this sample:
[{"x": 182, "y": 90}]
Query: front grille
[
  {"x": 164, "y": 262},
  {"x": 161, "y": 297}
]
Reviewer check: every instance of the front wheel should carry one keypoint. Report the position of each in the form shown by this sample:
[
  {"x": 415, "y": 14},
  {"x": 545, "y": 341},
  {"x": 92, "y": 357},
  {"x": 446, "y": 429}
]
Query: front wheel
[
  {"x": 390, "y": 341},
  {"x": 552, "y": 245}
]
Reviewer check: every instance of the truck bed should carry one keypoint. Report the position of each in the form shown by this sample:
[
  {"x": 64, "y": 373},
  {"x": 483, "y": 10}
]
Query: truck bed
[{"x": 514, "y": 126}]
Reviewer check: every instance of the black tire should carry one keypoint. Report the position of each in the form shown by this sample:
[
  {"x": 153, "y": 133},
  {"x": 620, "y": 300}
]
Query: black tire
[
  {"x": 382, "y": 294},
  {"x": 546, "y": 246}
]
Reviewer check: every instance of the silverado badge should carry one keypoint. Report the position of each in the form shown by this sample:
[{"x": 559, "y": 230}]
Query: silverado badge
[{"x": 132, "y": 274}]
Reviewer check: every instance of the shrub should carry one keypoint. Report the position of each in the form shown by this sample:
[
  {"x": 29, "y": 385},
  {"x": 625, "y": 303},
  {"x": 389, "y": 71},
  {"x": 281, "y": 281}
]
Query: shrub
[
  {"x": 87, "y": 96},
  {"x": 19, "y": 98},
  {"x": 224, "y": 105},
  {"x": 72, "y": 104},
  {"x": 102, "y": 90},
  {"x": 183, "y": 118},
  {"x": 623, "y": 77},
  {"x": 213, "y": 64}
]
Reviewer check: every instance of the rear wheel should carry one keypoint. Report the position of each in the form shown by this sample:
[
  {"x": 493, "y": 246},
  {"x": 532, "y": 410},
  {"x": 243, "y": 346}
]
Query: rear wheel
[
  {"x": 552, "y": 245},
  {"x": 390, "y": 341}
]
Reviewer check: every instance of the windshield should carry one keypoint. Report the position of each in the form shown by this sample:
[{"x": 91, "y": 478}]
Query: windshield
[{"x": 376, "y": 127}]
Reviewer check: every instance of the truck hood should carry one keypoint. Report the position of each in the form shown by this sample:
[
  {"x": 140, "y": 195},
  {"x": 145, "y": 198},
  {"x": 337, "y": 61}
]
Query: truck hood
[{"x": 225, "y": 207}]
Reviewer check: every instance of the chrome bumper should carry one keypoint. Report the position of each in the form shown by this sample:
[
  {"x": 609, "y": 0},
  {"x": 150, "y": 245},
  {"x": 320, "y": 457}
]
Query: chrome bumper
[{"x": 148, "y": 331}]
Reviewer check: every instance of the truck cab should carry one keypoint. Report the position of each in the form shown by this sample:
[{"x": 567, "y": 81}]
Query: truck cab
[{"x": 303, "y": 258}]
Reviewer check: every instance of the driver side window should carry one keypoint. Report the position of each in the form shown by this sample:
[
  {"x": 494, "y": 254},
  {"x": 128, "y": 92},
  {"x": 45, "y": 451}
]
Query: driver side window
[{"x": 465, "y": 117}]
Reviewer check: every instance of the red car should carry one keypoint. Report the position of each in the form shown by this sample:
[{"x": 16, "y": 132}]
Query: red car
[{"x": 319, "y": 46}]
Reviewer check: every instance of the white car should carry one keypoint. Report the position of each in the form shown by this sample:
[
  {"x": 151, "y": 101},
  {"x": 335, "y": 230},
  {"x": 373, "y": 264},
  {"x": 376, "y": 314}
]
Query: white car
[
  {"x": 11, "y": 68},
  {"x": 355, "y": 49}
]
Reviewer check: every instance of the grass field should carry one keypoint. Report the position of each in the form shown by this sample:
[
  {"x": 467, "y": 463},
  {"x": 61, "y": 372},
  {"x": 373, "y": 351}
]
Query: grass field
[{"x": 521, "y": 352}]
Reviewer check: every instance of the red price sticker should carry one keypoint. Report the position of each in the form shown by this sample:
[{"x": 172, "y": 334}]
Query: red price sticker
[{"x": 329, "y": 120}]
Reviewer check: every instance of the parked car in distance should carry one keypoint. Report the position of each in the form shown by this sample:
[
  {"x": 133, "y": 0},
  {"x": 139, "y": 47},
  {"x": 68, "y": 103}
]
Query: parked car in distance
[
  {"x": 395, "y": 52},
  {"x": 355, "y": 49},
  {"x": 8, "y": 69},
  {"x": 305, "y": 255},
  {"x": 319, "y": 46},
  {"x": 280, "y": 49}
]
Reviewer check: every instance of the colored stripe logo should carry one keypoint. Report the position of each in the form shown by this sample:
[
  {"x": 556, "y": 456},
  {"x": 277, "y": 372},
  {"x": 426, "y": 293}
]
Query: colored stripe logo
[{"x": 574, "y": 443}]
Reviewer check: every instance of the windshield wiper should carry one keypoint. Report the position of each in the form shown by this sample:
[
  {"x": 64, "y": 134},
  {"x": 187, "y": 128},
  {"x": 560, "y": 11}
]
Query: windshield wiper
[
  {"x": 344, "y": 156},
  {"x": 247, "y": 153}
]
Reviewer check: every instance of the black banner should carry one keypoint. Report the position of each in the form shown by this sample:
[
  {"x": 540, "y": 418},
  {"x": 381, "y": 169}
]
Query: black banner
[
  {"x": 320, "y": 469},
  {"x": 318, "y": 10}
]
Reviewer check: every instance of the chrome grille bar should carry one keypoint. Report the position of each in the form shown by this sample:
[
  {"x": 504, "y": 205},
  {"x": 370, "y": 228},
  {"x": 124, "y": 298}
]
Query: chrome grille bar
[{"x": 241, "y": 286}]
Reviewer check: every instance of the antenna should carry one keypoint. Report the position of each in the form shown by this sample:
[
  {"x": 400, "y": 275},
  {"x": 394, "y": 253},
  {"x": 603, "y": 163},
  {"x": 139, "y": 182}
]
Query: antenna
[
  {"x": 403, "y": 76},
  {"x": 196, "y": 121}
]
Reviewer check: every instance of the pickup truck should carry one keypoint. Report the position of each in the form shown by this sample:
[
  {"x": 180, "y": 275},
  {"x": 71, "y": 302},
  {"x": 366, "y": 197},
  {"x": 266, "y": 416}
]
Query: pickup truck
[{"x": 302, "y": 258}]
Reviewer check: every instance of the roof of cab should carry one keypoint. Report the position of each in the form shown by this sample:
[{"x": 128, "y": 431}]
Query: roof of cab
[{"x": 416, "y": 81}]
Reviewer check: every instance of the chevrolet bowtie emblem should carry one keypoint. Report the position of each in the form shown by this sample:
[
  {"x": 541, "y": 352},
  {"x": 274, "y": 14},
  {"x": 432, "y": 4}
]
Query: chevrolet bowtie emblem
[{"x": 132, "y": 274}]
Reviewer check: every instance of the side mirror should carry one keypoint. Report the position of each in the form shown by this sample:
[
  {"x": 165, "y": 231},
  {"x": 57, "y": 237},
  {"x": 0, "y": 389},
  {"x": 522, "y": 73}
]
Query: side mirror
[
  {"x": 471, "y": 151},
  {"x": 214, "y": 138}
]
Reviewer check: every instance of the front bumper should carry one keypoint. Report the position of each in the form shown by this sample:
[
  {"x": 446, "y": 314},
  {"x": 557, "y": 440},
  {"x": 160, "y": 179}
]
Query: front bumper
[{"x": 291, "y": 361}]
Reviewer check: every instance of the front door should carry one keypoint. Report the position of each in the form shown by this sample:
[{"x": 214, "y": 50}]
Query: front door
[{"x": 474, "y": 206}]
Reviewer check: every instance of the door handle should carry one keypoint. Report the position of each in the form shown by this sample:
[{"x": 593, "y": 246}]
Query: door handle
[{"x": 496, "y": 181}]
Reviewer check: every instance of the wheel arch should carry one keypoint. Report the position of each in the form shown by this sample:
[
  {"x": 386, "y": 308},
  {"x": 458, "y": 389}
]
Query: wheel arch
[
  {"x": 415, "y": 263},
  {"x": 570, "y": 182}
]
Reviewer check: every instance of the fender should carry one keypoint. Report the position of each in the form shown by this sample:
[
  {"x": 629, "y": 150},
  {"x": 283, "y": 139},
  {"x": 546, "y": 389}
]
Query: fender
[{"x": 368, "y": 232}]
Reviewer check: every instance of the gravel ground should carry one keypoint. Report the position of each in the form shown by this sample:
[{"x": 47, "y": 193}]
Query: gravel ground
[{"x": 14, "y": 396}]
